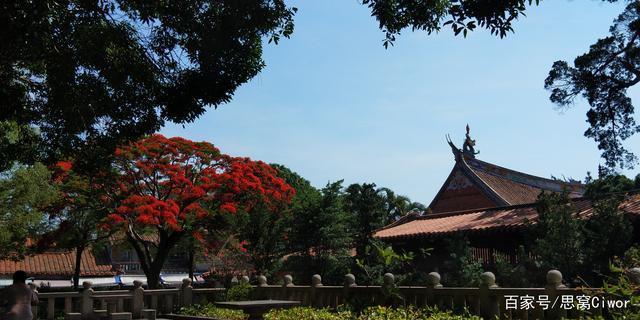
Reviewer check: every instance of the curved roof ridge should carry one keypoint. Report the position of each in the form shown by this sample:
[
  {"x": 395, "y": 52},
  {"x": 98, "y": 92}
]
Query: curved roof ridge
[{"x": 485, "y": 184}]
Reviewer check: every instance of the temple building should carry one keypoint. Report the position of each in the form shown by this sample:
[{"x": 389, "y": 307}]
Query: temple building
[{"x": 489, "y": 205}]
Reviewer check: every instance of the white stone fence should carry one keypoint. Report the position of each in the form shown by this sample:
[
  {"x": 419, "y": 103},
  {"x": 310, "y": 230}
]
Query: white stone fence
[{"x": 488, "y": 300}]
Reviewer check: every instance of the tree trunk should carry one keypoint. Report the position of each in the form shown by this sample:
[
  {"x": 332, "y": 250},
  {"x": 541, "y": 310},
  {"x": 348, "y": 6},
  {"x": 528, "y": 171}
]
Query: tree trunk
[
  {"x": 76, "y": 271},
  {"x": 152, "y": 263},
  {"x": 192, "y": 256}
]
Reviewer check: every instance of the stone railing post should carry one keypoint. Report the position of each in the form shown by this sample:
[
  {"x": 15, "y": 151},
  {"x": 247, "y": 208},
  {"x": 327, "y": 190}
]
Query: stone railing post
[
  {"x": 634, "y": 275},
  {"x": 262, "y": 291},
  {"x": 287, "y": 281},
  {"x": 315, "y": 299},
  {"x": 349, "y": 282},
  {"x": 433, "y": 282},
  {"x": 489, "y": 304},
  {"x": 186, "y": 292},
  {"x": 34, "y": 309},
  {"x": 554, "y": 282},
  {"x": 87, "y": 300},
  {"x": 137, "y": 303},
  {"x": 262, "y": 281},
  {"x": 388, "y": 288}
]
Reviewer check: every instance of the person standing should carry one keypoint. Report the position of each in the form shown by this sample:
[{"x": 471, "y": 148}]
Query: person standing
[{"x": 19, "y": 298}]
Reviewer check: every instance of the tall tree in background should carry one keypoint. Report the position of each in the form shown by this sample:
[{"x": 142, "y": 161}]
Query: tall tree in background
[
  {"x": 371, "y": 208},
  {"x": 76, "y": 214},
  {"x": 170, "y": 188},
  {"x": 559, "y": 236},
  {"x": 366, "y": 207},
  {"x": 266, "y": 233},
  {"x": 320, "y": 237},
  {"x": 24, "y": 192},
  {"x": 93, "y": 74},
  {"x": 397, "y": 206},
  {"x": 602, "y": 77}
]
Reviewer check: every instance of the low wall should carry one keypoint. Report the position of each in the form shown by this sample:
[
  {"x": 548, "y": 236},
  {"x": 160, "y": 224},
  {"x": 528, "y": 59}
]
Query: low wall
[{"x": 488, "y": 300}]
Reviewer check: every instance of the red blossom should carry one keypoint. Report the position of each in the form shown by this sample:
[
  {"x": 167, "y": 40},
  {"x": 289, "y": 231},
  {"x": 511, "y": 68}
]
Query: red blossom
[{"x": 168, "y": 183}]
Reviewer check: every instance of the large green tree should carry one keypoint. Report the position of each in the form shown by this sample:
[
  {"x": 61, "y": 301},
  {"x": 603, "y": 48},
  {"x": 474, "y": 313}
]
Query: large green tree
[
  {"x": 93, "y": 74},
  {"x": 371, "y": 208},
  {"x": 320, "y": 239},
  {"x": 602, "y": 77},
  {"x": 24, "y": 191}
]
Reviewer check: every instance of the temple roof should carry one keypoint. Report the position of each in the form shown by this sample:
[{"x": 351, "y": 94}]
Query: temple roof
[
  {"x": 485, "y": 220},
  {"x": 512, "y": 187},
  {"x": 474, "y": 184}
]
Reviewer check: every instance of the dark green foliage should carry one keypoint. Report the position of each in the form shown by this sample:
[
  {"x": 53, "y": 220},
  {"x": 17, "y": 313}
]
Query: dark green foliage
[
  {"x": 367, "y": 209},
  {"x": 602, "y": 77},
  {"x": 559, "y": 236},
  {"x": 372, "y": 208},
  {"x": 631, "y": 258},
  {"x": 383, "y": 259},
  {"x": 581, "y": 247},
  {"x": 306, "y": 313},
  {"x": 211, "y": 311},
  {"x": 320, "y": 239},
  {"x": 608, "y": 233},
  {"x": 460, "y": 268},
  {"x": 371, "y": 313},
  {"x": 265, "y": 233},
  {"x": 239, "y": 292},
  {"x": 608, "y": 184},
  {"x": 430, "y": 16},
  {"x": 24, "y": 191},
  {"x": 18, "y": 143},
  {"x": 514, "y": 275},
  {"x": 93, "y": 74}
]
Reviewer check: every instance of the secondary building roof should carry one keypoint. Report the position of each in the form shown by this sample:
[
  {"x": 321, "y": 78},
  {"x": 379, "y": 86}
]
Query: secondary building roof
[
  {"x": 56, "y": 264},
  {"x": 485, "y": 220}
]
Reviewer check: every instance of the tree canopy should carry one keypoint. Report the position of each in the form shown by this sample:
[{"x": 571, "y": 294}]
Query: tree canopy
[
  {"x": 168, "y": 188},
  {"x": 93, "y": 74},
  {"x": 602, "y": 77},
  {"x": 24, "y": 192},
  {"x": 462, "y": 16}
]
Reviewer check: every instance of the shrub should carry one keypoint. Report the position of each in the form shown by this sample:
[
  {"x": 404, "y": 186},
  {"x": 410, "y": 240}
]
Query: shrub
[
  {"x": 240, "y": 291},
  {"x": 307, "y": 313},
  {"x": 211, "y": 311},
  {"x": 411, "y": 313}
]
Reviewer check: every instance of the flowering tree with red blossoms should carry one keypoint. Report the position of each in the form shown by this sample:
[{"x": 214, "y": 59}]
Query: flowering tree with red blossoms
[{"x": 170, "y": 188}]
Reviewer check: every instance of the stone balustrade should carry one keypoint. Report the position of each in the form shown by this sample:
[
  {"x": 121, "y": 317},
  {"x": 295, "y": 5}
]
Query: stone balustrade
[{"x": 488, "y": 300}]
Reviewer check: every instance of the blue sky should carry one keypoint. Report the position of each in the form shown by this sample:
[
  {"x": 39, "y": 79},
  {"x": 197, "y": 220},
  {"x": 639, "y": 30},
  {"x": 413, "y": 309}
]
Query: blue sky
[{"x": 333, "y": 104}]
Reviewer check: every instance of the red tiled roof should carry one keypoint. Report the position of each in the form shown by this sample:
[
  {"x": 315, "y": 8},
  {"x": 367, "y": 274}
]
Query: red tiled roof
[
  {"x": 478, "y": 220},
  {"x": 516, "y": 187},
  {"x": 56, "y": 264},
  {"x": 474, "y": 184}
]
